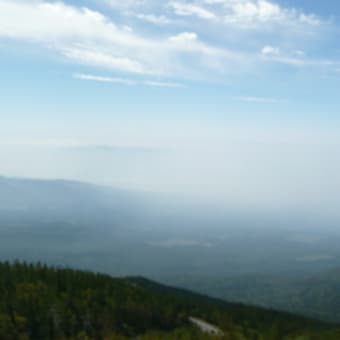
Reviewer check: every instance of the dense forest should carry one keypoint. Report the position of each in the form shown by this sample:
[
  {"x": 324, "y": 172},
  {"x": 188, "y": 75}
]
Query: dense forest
[{"x": 41, "y": 302}]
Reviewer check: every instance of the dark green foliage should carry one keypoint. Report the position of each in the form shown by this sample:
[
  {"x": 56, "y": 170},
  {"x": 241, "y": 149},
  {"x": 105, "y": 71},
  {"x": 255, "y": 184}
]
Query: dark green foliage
[{"x": 40, "y": 302}]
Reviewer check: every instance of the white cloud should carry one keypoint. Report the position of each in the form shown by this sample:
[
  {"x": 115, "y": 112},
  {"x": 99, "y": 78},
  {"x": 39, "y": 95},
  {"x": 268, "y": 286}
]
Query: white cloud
[
  {"x": 292, "y": 61},
  {"x": 106, "y": 60},
  {"x": 270, "y": 50},
  {"x": 127, "y": 28},
  {"x": 258, "y": 14},
  {"x": 184, "y": 37},
  {"x": 126, "y": 81},
  {"x": 187, "y": 9},
  {"x": 245, "y": 14},
  {"x": 259, "y": 100},
  {"x": 212, "y": 58},
  {"x": 124, "y": 4},
  {"x": 273, "y": 54},
  {"x": 299, "y": 53},
  {"x": 252, "y": 11},
  {"x": 154, "y": 19},
  {"x": 87, "y": 37},
  {"x": 101, "y": 79},
  {"x": 295, "y": 58},
  {"x": 189, "y": 41},
  {"x": 162, "y": 84},
  {"x": 309, "y": 19}
]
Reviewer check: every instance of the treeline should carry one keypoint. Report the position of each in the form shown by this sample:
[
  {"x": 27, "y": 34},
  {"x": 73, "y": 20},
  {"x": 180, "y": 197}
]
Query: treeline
[{"x": 41, "y": 302}]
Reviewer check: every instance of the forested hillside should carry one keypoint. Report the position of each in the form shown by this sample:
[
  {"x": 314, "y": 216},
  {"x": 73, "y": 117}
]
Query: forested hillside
[{"x": 40, "y": 302}]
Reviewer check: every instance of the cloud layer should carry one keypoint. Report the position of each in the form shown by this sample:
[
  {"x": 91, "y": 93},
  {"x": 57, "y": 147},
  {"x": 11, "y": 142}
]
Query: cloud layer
[{"x": 88, "y": 37}]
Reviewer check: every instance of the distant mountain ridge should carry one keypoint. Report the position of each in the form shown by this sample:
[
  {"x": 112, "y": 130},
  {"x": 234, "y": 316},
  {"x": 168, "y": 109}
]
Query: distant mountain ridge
[{"x": 45, "y": 194}]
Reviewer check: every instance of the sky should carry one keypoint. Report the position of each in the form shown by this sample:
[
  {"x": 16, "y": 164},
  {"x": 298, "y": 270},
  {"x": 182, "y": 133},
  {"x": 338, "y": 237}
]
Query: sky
[{"x": 231, "y": 100}]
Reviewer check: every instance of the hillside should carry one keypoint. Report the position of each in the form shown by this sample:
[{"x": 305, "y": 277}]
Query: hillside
[
  {"x": 40, "y": 302},
  {"x": 316, "y": 296}
]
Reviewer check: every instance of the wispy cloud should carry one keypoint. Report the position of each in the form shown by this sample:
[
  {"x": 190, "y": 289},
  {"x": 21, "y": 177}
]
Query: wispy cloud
[
  {"x": 126, "y": 81},
  {"x": 154, "y": 19},
  {"x": 296, "y": 58},
  {"x": 162, "y": 84},
  {"x": 88, "y": 37},
  {"x": 245, "y": 14},
  {"x": 88, "y": 56},
  {"x": 124, "y": 4},
  {"x": 175, "y": 50},
  {"x": 187, "y": 9},
  {"x": 264, "y": 100},
  {"x": 101, "y": 79}
]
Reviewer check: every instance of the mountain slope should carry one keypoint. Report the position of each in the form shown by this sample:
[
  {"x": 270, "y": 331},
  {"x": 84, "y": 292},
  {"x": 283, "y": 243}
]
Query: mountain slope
[
  {"x": 40, "y": 302},
  {"x": 316, "y": 296}
]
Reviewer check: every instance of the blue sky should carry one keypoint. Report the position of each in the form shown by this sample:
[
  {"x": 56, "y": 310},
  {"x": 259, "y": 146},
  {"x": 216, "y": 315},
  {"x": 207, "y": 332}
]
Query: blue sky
[
  {"x": 218, "y": 58},
  {"x": 258, "y": 79}
]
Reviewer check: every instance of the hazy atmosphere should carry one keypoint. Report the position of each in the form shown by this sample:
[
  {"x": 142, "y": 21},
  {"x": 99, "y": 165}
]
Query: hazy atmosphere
[{"x": 249, "y": 165}]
